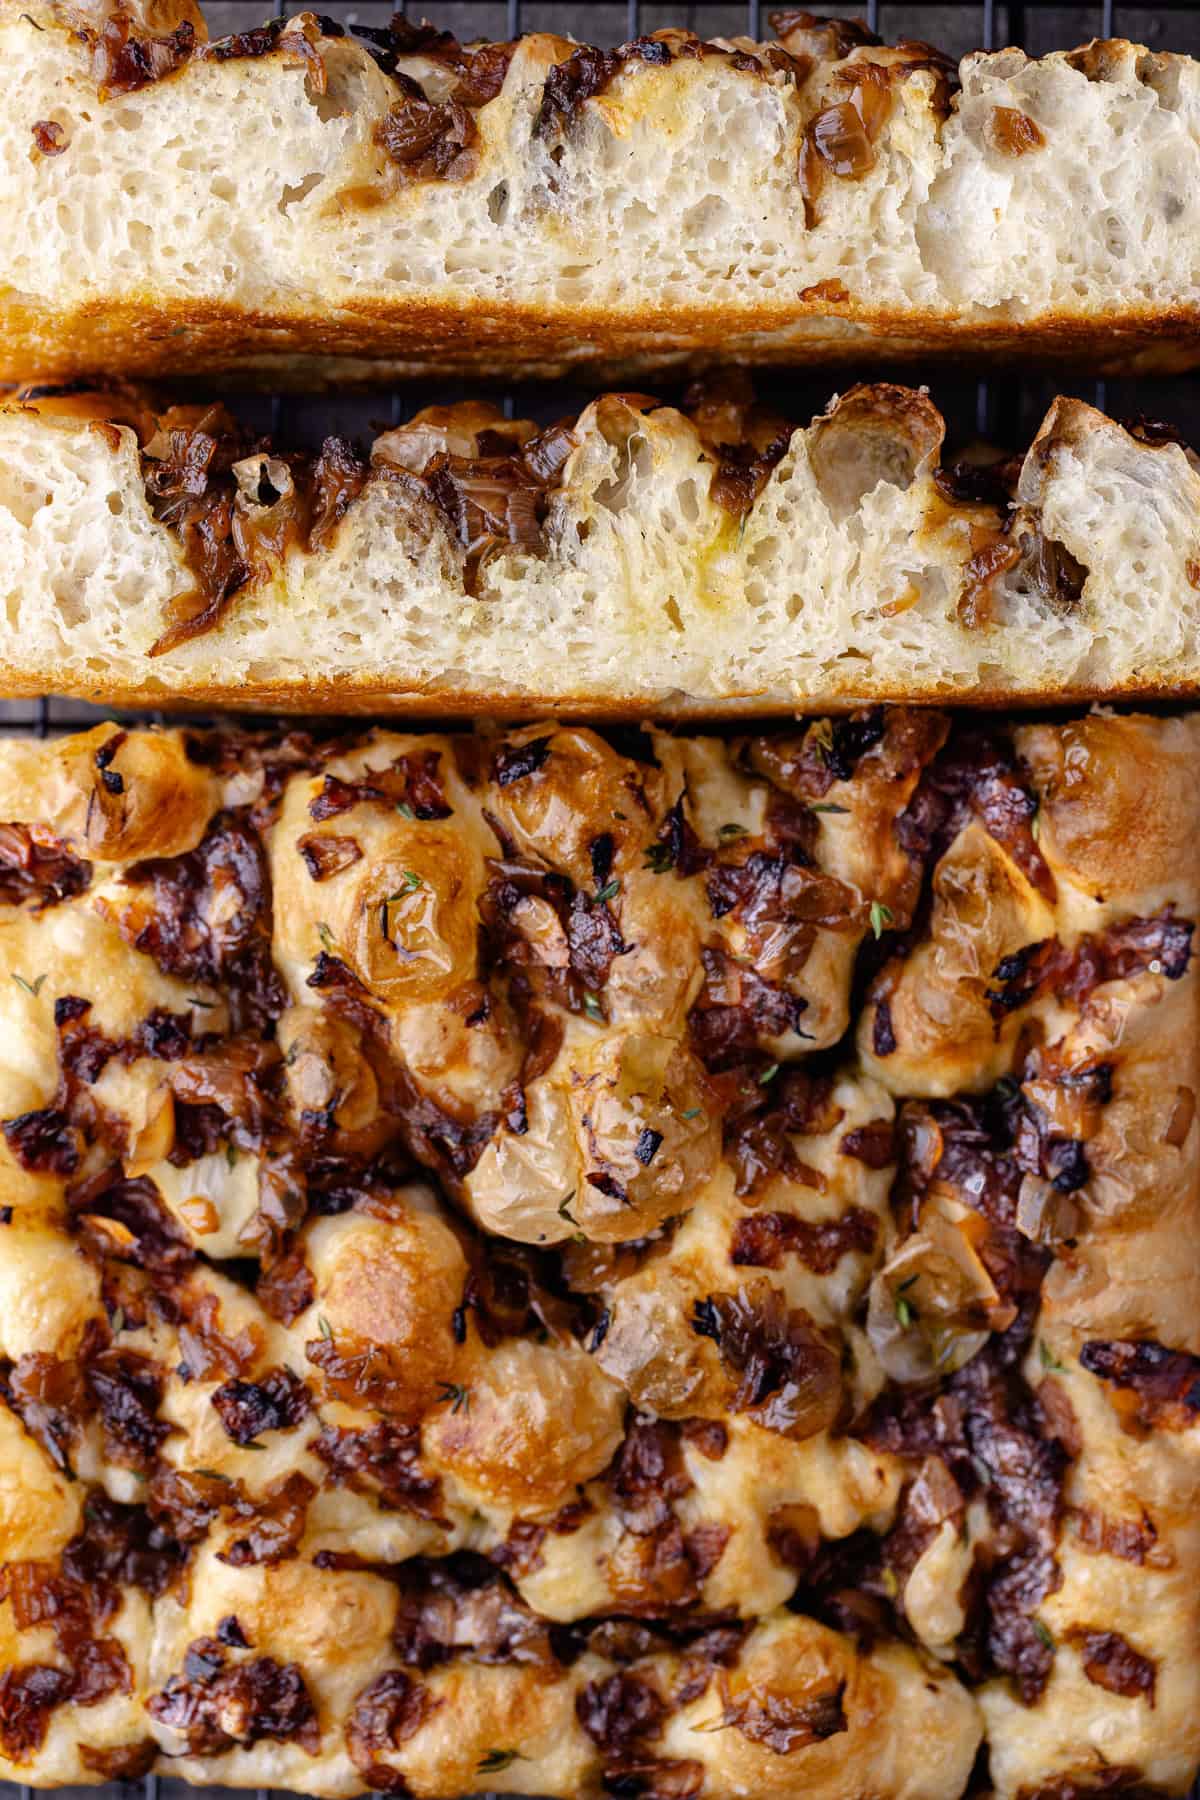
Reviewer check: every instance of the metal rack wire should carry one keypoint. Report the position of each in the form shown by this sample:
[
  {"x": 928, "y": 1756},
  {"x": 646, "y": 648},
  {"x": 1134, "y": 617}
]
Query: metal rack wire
[{"x": 1006, "y": 408}]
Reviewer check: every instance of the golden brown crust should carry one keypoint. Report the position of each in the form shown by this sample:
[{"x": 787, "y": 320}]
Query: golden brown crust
[
  {"x": 367, "y": 343},
  {"x": 467, "y": 1313},
  {"x": 324, "y": 698}
]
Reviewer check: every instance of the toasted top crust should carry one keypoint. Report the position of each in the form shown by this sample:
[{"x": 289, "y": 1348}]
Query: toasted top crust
[{"x": 477, "y": 1304}]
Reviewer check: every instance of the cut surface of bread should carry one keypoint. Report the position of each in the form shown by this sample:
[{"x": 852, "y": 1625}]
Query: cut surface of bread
[
  {"x": 638, "y": 559},
  {"x": 575, "y": 1265},
  {"x": 295, "y": 205}
]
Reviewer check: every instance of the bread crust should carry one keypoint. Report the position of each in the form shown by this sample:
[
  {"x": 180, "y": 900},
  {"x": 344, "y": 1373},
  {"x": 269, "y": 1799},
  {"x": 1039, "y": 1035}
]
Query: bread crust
[
  {"x": 306, "y": 308},
  {"x": 476, "y": 1304},
  {"x": 361, "y": 344},
  {"x": 323, "y": 699}
]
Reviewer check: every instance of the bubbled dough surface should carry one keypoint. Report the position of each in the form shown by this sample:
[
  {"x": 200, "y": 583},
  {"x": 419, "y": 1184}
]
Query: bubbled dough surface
[{"x": 395, "y": 1280}]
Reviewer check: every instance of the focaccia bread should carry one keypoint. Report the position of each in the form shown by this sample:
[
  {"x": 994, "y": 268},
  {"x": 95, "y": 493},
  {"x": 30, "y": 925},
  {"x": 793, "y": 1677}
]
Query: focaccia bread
[
  {"x": 636, "y": 559},
  {"x": 295, "y": 202},
  {"x": 581, "y": 1265}
]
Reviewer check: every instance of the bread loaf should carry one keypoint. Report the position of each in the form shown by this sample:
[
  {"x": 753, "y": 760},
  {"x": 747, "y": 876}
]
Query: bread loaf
[
  {"x": 295, "y": 203},
  {"x": 584, "y": 1265}
]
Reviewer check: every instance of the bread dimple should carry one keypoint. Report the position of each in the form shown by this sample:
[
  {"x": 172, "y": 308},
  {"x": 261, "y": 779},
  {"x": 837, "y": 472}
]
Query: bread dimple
[
  {"x": 80, "y": 951},
  {"x": 116, "y": 797},
  {"x": 983, "y": 909},
  {"x": 793, "y": 1665},
  {"x": 1116, "y": 803},
  {"x": 48, "y": 1293},
  {"x": 1141, "y": 1187},
  {"x": 423, "y": 872},
  {"x": 41, "y": 1512},
  {"x": 475, "y": 1717},
  {"x": 395, "y": 1285},
  {"x": 584, "y": 781},
  {"x": 535, "y": 1347}
]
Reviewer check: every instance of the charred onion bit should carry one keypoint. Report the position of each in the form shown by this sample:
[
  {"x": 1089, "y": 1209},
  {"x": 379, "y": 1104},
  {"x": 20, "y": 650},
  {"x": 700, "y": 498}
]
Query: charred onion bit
[{"x": 1152, "y": 1388}]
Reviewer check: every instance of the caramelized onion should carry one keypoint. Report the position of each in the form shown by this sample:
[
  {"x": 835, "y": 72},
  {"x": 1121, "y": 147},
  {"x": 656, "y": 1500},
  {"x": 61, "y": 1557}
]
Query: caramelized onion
[
  {"x": 930, "y": 1308},
  {"x": 1044, "y": 1214}
]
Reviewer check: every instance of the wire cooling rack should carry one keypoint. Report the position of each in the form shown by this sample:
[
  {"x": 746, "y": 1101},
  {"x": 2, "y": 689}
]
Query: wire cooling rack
[{"x": 1005, "y": 408}]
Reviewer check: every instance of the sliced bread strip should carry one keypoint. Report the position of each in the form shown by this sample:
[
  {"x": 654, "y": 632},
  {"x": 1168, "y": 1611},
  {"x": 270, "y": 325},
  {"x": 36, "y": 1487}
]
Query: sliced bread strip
[
  {"x": 638, "y": 559},
  {"x": 296, "y": 204}
]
